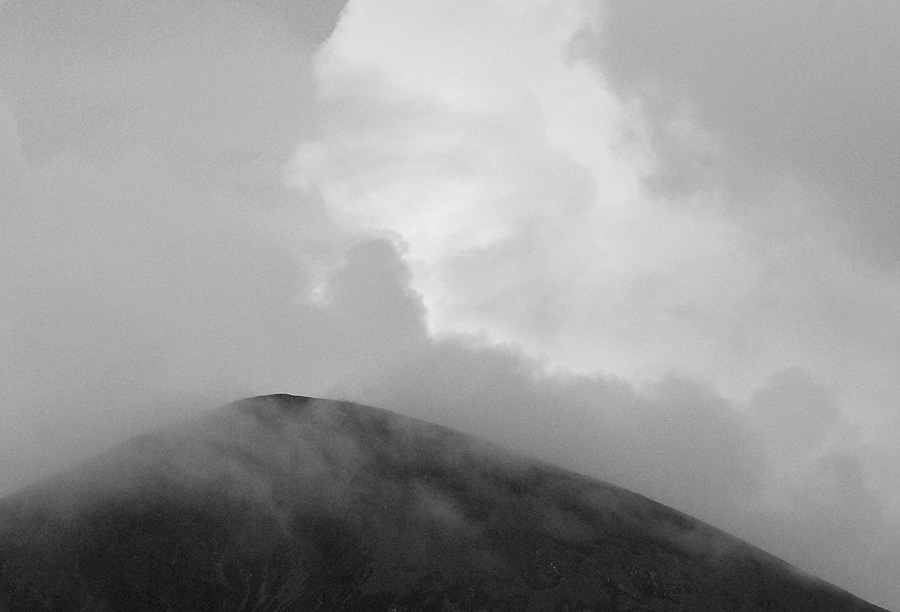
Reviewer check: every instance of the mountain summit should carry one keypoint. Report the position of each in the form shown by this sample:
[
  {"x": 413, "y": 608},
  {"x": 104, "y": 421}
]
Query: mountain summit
[{"x": 285, "y": 503}]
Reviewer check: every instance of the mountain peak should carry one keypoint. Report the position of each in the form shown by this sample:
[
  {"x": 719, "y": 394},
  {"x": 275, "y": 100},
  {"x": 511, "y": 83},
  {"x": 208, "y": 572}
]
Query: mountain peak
[{"x": 288, "y": 502}]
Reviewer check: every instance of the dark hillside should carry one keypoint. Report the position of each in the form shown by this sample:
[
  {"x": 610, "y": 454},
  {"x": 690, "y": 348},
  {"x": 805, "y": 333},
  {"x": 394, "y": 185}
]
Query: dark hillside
[{"x": 288, "y": 503}]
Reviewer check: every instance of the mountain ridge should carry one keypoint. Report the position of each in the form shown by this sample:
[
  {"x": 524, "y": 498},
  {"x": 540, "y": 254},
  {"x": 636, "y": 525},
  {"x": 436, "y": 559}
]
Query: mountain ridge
[{"x": 288, "y": 502}]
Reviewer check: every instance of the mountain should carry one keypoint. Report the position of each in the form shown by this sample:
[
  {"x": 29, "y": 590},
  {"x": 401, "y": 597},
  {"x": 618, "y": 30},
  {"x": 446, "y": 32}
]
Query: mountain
[{"x": 284, "y": 503}]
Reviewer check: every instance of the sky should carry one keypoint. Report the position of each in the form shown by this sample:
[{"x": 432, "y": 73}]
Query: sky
[{"x": 653, "y": 242}]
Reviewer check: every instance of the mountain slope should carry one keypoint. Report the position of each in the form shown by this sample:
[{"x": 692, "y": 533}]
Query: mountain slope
[{"x": 285, "y": 503}]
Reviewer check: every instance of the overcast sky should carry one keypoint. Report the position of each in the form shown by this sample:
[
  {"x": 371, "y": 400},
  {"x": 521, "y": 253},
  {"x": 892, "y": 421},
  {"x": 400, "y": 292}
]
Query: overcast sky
[{"x": 657, "y": 242}]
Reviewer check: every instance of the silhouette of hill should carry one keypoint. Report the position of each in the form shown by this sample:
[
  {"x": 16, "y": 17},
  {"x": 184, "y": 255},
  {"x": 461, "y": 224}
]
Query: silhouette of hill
[{"x": 284, "y": 503}]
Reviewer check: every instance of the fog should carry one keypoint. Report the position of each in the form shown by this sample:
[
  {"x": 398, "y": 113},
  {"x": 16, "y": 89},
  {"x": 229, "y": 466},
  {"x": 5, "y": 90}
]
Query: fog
[{"x": 595, "y": 233}]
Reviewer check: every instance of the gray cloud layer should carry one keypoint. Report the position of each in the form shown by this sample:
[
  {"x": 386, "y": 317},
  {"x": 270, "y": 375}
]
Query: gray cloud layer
[
  {"x": 139, "y": 142},
  {"x": 153, "y": 263},
  {"x": 806, "y": 88}
]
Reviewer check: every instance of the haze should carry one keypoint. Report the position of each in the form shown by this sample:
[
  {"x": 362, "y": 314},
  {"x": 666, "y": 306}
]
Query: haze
[{"x": 653, "y": 242}]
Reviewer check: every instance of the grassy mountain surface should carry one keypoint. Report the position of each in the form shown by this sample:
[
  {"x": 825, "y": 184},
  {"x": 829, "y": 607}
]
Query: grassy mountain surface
[{"x": 285, "y": 503}]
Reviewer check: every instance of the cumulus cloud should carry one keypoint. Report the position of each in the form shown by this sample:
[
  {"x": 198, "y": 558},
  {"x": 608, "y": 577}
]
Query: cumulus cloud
[
  {"x": 523, "y": 188},
  {"x": 510, "y": 182}
]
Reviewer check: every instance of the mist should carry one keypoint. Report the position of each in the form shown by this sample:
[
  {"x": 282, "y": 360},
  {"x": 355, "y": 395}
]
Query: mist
[{"x": 542, "y": 227}]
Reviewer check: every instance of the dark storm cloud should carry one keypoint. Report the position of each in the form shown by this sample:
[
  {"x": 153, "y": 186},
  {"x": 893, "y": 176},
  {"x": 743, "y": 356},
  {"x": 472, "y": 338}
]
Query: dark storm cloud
[{"x": 802, "y": 88}]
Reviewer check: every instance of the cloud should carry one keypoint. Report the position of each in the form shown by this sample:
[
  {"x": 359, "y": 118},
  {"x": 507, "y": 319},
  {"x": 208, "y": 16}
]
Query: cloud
[
  {"x": 143, "y": 147},
  {"x": 12, "y": 159},
  {"x": 508, "y": 180},
  {"x": 797, "y": 406},
  {"x": 803, "y": 89},
  {"x": 522, "y": 189}
]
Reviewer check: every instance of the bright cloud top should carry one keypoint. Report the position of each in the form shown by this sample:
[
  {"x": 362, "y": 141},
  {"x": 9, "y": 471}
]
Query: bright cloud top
[
  {"x": 487, "y": 138},
  {"x": 483, "y": 138}
]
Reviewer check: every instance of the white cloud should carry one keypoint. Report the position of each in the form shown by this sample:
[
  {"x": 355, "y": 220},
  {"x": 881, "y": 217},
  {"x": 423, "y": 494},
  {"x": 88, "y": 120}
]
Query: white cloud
[
  {"x": 527, "y": 192},
  {"x": 499, "y": 159}
]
